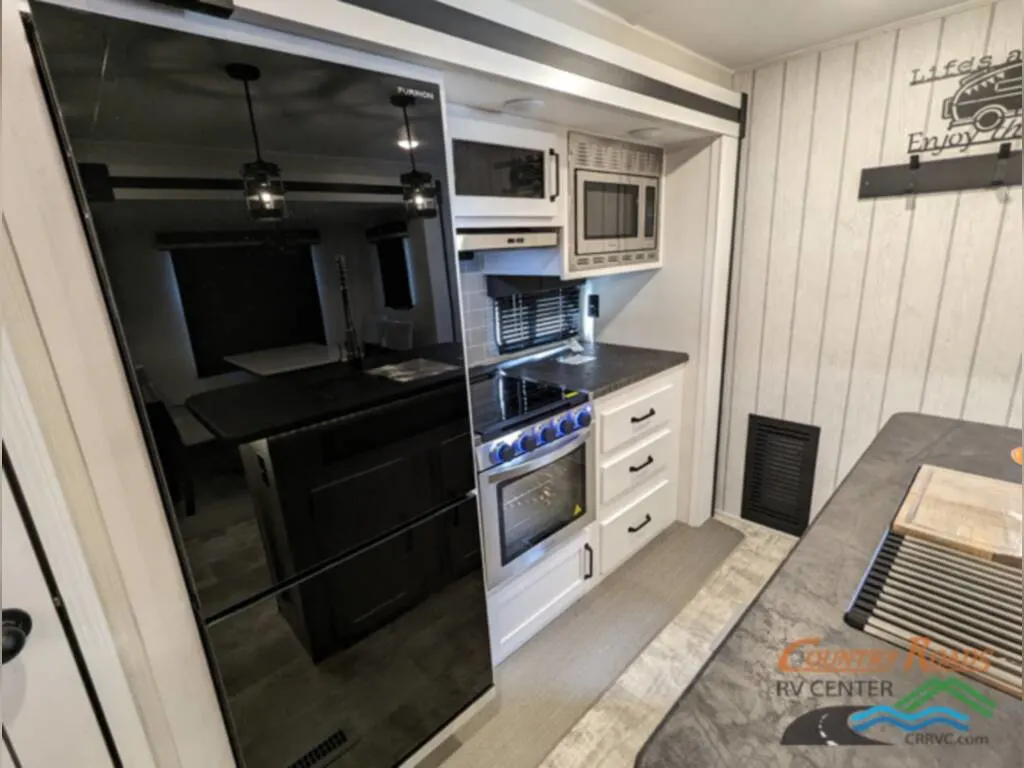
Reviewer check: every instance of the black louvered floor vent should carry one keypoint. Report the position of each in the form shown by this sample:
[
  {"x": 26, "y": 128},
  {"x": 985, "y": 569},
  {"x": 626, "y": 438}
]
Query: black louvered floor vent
[
  {"x": 779, "y": 475},
  {"x": 324, "y": 753}
]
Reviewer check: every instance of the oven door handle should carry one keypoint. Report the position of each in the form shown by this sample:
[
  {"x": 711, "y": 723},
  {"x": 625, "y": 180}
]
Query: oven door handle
[{"x": 524, "y": 465}]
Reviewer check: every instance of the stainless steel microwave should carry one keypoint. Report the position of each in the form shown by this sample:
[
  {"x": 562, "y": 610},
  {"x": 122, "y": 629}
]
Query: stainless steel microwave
[{"x": 616, "y": 198}]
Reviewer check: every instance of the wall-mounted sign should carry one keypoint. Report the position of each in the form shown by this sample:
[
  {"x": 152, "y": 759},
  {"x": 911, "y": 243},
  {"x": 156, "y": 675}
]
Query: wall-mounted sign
[{"x": 983, "y": 104}]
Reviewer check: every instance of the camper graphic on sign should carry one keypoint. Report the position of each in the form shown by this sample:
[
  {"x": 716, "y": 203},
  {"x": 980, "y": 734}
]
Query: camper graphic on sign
[{"x": 986, "y": 99}]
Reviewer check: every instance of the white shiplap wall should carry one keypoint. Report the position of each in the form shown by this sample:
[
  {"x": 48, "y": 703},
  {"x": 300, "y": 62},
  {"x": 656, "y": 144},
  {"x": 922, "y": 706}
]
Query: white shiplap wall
[{"x": 844, "y": 311}]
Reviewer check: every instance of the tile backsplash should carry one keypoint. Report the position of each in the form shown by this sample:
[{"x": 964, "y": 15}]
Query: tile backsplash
[
  {"x": 478, "y": 314},
  {"x": 478, "y": 319}
]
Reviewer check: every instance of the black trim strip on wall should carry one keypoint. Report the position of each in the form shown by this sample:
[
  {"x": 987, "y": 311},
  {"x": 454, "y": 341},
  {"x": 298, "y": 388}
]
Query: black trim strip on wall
[
  {"x": 949, "y": 174},
  {"x": 744, "y": 106},
  {"x": 58, "y": 606},
  {"x": 443, "y": 18},
  {"x": 220, "y": 8},
  {"x": 720, "y": 425}
]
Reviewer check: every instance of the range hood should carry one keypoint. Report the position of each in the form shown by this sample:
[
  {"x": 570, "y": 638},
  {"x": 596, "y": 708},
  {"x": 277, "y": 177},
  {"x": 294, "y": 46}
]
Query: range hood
[
  {"x": 503, "y": 239},
  {"x": 501, "y": 286}
]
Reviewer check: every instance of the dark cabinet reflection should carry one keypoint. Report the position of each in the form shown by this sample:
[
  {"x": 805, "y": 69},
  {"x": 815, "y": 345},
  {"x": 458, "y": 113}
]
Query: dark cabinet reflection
[
  {"x": 370, "y": 653},
  {"x": 274, "y": 248}
]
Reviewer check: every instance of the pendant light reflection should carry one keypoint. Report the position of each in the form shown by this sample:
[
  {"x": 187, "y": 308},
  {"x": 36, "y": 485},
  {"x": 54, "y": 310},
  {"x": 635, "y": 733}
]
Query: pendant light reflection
[
  {"x": 419, "y": 193},
  {"x": 405, "y": 141},
  {"x": 261, "y": 180}
]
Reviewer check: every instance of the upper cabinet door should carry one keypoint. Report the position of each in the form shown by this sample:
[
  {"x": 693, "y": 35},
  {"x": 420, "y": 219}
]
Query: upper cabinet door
[{"x": 506, "y": 172}]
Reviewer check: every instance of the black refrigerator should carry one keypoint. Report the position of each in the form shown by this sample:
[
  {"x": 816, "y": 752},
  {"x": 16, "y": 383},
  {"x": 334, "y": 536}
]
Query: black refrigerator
[{"x": 273, "y": 238}]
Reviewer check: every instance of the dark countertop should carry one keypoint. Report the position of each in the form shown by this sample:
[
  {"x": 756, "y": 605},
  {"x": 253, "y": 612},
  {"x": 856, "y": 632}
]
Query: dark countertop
[
  {"x": 275, "y": 404},
  {"x": 732, "y": 715},
  {"x": 616, "y": 366}
]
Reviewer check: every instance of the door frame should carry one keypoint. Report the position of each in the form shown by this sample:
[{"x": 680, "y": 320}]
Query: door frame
[{"x": 56, "y": 690}]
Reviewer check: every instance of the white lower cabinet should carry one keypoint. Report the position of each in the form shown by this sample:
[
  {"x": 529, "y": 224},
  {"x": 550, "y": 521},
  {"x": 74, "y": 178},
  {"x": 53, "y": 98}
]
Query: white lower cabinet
[
  {"x": 520, "y": 608},
  {"x": 638, "y": 521},
  {"x": 637, "y": 465}
]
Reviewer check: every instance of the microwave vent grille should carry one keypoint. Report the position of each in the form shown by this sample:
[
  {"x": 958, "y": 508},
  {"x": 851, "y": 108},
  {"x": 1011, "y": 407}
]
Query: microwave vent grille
[{"x": 614, "y": 156}]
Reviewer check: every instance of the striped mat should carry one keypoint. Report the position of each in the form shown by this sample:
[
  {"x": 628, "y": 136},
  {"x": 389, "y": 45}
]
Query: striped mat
[{"x": 915, "y": 589}]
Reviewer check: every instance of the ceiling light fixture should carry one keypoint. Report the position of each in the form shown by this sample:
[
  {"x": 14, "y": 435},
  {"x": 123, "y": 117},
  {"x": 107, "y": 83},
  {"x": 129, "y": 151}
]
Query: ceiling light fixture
[
  {"x": 524, "y": 106},
  {"x": 262, "y": 184},
  {"x": 646, "y": 133},
  {"x": 418, "y": 191}
]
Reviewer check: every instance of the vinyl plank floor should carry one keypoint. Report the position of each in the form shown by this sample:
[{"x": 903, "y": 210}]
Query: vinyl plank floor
[
  {"x": 552, "y": 681},
  {"x": 612, "y": 732}
]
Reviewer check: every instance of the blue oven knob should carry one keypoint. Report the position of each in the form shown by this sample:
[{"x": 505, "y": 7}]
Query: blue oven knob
[
  {"x": 502, "y": 452},
  {"x": 565, "y": 425},
  {"x": 583, "y": 419},
  {"x": 526, "y": 443},
  {"x": 545, "y": 434}
]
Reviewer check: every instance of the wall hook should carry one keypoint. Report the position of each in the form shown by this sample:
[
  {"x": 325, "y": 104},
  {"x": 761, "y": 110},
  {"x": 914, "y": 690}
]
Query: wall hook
[
  {"x": 999, "y": 177},
  {"x": 915, "y": 165}
]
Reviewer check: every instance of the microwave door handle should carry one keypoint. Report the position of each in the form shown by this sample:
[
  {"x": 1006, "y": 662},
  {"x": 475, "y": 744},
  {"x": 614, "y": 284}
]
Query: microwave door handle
[
  {"x": 533, "y": 461},
  {"x": 558, "y": 175}
]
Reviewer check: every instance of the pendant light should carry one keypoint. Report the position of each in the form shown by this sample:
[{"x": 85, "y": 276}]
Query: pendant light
[
  {"x": 262, "y": 184},
  {"x": 418, "y": 191}
]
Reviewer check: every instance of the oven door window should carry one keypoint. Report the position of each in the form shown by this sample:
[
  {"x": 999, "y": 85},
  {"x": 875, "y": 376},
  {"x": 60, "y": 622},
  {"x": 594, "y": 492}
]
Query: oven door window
[
  {"x": 610, "y": 210},
  {"x": 537, "y": 505},
  {"x": 494, "y": 170}
]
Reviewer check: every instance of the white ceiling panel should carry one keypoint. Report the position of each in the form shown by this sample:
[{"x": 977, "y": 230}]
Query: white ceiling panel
[{"x": 737, "y": 33}]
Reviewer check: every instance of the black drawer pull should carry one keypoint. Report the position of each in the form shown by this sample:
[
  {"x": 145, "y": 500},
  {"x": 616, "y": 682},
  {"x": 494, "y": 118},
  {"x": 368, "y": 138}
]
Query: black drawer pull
[
  {"x": 650, "y": 460},
  {"x": 645, "y": 417},
  {"x": 647, "y": 520},
  {"x": 589, "y": 573}
]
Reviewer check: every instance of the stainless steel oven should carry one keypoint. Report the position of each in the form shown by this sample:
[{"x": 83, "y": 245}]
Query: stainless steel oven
[
  {"x": 534, "y": 492},
  {"x": 615, "y": 202}
]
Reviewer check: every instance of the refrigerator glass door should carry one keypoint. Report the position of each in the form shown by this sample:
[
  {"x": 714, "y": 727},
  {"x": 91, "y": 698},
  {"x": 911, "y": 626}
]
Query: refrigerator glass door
[{"x": 242, "y": 205}]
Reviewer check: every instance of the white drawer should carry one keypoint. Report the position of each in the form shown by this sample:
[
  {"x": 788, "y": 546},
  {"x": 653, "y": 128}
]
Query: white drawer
[
  {"x": 638, "y": 465},
  {"x": 639, "y": 521},
  {"x": 643, "y": 413}
]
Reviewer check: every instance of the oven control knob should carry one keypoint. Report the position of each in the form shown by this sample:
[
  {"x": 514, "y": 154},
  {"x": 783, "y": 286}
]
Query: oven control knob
[
  {"x": 526, "y": 443},
  {"x": 502, "y": 452},
  {"x": 583, "y": 419},
  {"x": 565, "y": 425},
  {"x": 546, "y": 434}
]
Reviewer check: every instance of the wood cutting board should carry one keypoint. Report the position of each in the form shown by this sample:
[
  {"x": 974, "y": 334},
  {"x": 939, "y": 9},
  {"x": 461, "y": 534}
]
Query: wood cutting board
[{"x": 970, "y": 513}]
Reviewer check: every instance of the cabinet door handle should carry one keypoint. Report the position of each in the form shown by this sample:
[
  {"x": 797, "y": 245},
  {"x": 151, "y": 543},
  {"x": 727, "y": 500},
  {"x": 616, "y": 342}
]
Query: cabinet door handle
[
  {"x": 558, "y": 176},
  {"x": 650, "y": 460},
  {"x": 589, "y": 572},
  {"x": 634, "y": 529},
  {"x": 645, "y": 417}
]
